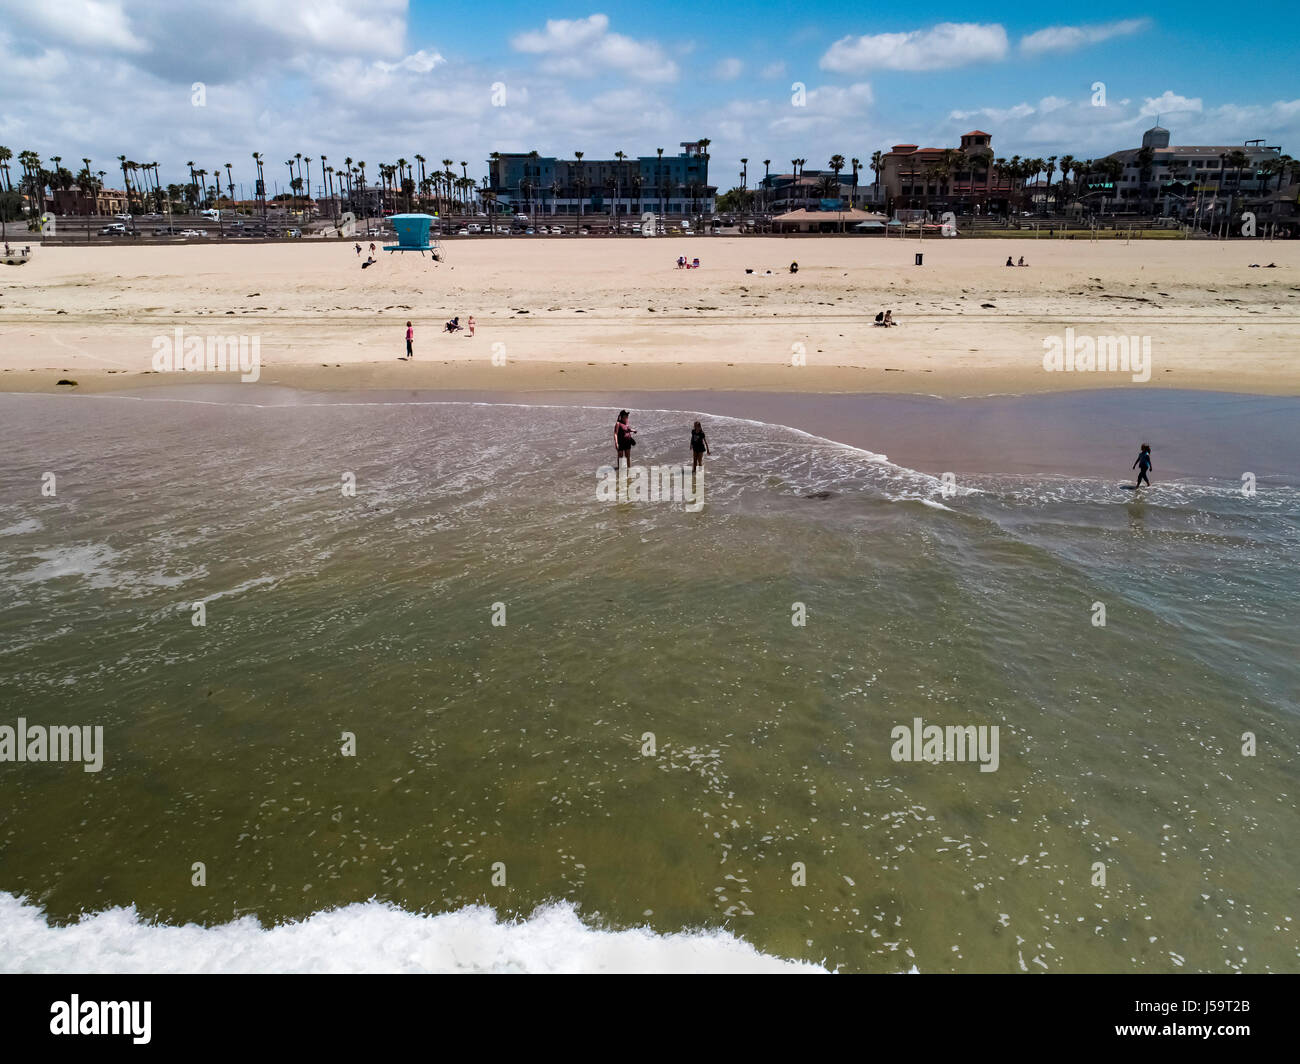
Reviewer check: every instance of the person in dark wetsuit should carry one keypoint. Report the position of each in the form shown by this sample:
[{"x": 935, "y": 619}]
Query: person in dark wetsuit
[
  {"x": 1143, "y": 466},
  {"x": 699, "y": 447},
  {"x": 623, "y": 439}
]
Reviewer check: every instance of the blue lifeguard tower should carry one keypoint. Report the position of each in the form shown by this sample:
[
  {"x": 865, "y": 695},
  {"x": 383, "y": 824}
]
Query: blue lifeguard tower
[{"x": 413, "y": 233}]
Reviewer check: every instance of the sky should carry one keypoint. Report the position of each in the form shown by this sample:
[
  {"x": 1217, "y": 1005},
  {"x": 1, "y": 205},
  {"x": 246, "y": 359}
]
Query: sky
[{"x": 214, "y": 80}]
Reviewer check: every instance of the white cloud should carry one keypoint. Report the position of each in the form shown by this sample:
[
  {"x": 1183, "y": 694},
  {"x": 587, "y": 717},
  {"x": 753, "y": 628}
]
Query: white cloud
[
  {"x": 584, "y": 47},
  {"x": 949, "y": 44},
  {"x": 1068, "y": 38},
  {"x": 996, "y": 114},
  {"x": 420, "y": 62},
  {"x": 826, "y": 108},
  {"x": 773, "y": 70},
  {"x": 728, "y": 69},
  {"x": 1170, "y": 103},
  {"x": 89, "y": 23}
]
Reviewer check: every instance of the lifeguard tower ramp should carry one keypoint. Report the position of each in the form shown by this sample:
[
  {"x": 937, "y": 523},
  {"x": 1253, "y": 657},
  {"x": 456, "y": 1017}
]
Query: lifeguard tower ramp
[{"x": 413, "y": 234}]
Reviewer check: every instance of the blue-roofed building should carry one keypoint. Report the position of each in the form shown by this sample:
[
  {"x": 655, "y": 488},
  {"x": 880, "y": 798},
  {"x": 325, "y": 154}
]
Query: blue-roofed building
[{"x": 543, "y": 186}]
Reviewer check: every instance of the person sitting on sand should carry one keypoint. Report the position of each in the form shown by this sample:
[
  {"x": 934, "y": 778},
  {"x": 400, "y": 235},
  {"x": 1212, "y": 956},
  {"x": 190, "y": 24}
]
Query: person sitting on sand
[
  {"x": 1143, "y": 466},
  {"x": 681, "y": 262},
  {"x": 452, "y": 326},
  {"x": 889, "y": 319},
  {"x": 469, "y": 325},
  {"x": 369, "y": 262},
  {"x": 880, "y": 317},
  {"x": 624, "y": 439},
  {"x": 794, "y": 267},
  {"x": 695, "y": 264},
  {"x": 1009, "y": 262},
  {"x": 1022, "y": 261},
  {"x": 699, "y": 447}
]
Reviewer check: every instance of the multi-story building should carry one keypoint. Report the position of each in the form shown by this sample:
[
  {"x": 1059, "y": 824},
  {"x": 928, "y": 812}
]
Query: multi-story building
[
  {"x": 965, "y": 179},
  {"x": 534, "y": 184},
  {"x": 75, "y": 201},
  {"x": 780, "y": 193},
  {"x": 1173, "y": 175}
]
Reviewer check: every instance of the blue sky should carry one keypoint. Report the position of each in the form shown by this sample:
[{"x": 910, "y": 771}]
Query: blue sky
[{"x": 379, "y": 79}]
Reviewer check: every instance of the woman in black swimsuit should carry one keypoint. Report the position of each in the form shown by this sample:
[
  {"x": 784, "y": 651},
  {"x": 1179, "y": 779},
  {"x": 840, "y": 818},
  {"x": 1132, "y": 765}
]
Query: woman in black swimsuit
[
  {"x": 623, "y": 439},
  {"x": 699, "y": 447}
]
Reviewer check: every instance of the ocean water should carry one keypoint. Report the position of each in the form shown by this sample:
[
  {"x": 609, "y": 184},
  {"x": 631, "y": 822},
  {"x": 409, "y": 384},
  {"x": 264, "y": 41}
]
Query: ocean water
[{"x": 643, "y": 763}]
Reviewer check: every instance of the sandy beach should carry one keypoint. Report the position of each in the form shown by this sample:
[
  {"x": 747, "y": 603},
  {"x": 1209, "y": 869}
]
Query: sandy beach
[{"x": 606, "y": 314}]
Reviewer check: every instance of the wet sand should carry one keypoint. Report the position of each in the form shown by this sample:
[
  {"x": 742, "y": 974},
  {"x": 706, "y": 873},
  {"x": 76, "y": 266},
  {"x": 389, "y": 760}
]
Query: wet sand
[{"x": 1194, "y": 434}]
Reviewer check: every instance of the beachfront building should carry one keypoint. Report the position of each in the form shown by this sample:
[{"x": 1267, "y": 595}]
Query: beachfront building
[
  {"x": 540, "y": 186},
  {"x": 1171, "y": 179},
  {"x": 965, "y": 179},
  {"x": 74, "y": 201},
  {"x": 783, "y": 193}
]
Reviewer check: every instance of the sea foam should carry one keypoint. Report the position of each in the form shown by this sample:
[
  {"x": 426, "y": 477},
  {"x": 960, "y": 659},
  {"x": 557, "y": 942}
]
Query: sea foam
[{"x": 368, "y": 937}]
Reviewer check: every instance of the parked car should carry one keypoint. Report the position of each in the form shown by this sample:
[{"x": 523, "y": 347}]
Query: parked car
[
  {"x": 166, "y": 230},
  {"x": 113, "y": 229},
  {"x": 462, "y": 231},
  {"x": 190, "y": 233},
  {"x": 530, "y": 231},
  {"x": 474, "y": 227}
]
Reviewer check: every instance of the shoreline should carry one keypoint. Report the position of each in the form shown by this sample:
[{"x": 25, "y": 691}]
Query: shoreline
[{"x": 1199, "y": 435}]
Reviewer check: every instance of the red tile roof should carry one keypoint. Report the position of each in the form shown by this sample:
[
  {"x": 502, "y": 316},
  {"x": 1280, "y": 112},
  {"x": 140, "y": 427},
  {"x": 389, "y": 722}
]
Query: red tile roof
[{"x": 977, "y": 133}]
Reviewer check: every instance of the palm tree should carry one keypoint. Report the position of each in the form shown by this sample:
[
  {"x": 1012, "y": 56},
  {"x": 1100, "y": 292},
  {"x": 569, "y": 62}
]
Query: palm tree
[
  {"x": 877, "y": 165},
  {"x": 126, "y": 180},
  {"x": 5, "y": 156},
  {"x": 1067, "y": 164},
  {"x": 836, "y": 165},
  {"x": 660, "y": 176},
  {"x": 307, "y": 186},
  {"x": 290, "y": 164},
  {"x": 581, "y": 182},
  {"x": 618, "y": 175},
  {"x": 1050, "y": 166},
  {"x": 1238, "y": 160},
  {"x": 1145, "y": 160}
]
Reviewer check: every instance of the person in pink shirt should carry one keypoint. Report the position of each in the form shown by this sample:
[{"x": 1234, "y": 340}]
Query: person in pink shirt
[
  {"x": 469, "y": 325},
  {"x": 410, "y": 342}
]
